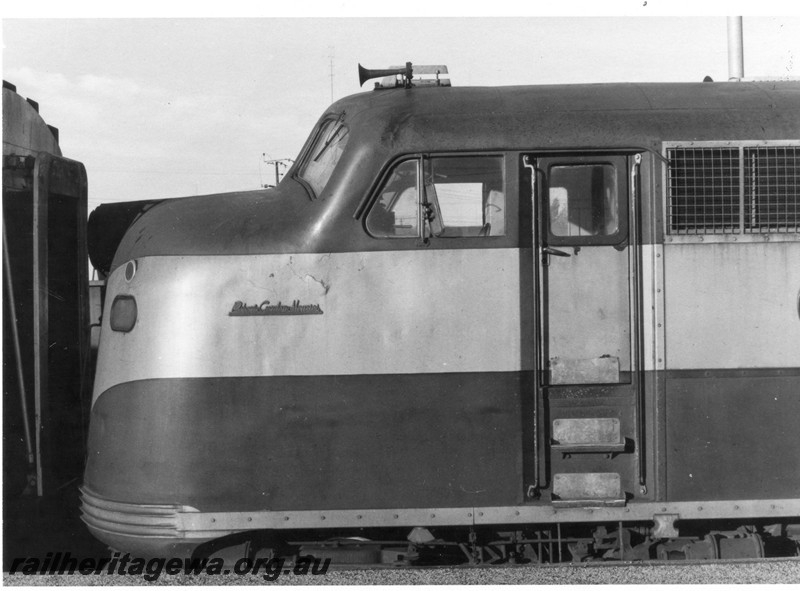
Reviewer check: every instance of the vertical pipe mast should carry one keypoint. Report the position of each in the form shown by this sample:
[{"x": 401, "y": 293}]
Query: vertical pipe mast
[{"x": 735, "y": 49}]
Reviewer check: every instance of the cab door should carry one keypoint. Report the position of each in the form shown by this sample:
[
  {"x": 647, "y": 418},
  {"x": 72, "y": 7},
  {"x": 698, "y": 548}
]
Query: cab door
[{"x": 587, "y": 313}]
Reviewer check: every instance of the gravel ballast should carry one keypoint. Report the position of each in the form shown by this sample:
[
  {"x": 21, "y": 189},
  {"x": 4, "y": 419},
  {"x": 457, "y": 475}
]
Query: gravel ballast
[{"x": 777, "y": 571}]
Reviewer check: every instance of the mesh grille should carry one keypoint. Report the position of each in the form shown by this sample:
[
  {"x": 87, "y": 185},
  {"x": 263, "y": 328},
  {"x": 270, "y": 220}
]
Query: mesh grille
[
  {"x": 703, "y": 190},
  {"x": 733, "y": 190},
  {"x": 772, "y": 183}
]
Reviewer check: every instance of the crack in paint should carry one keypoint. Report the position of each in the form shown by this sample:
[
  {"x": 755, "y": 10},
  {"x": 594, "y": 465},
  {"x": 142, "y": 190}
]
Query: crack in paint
[{"x": 325, "y": 286}]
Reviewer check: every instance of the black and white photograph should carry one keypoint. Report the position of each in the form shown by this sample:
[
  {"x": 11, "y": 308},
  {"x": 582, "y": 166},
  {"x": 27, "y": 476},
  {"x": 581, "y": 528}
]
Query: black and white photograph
[{"x": 340, "y": 294}]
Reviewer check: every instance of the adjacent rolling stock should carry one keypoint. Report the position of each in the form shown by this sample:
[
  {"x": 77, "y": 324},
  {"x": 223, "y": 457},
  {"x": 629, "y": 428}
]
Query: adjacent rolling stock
[{"x": 494, "y": 309}]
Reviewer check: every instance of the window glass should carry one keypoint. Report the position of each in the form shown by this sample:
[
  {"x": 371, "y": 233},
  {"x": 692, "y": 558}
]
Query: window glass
[
  {"x": 584, "y": 200},
  {"x": 396, "y": 212},
  {"x": 467, "y": 195},
  {"x": 324, "y": 155}
]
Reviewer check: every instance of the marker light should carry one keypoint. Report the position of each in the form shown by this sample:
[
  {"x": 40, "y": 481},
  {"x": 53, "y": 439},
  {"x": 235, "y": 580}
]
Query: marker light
[
  {"x": 123, "y": 313},
  {"x": 130, "y": 270}
]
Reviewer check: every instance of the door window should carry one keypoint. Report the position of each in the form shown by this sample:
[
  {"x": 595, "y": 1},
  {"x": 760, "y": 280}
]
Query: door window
[
  {"x": 584, "y": 203},
  {"x": 583, "y": 200}
]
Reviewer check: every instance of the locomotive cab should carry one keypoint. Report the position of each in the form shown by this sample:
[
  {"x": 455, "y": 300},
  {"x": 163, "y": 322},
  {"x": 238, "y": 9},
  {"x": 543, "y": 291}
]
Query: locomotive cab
[{"x": 465, "y": 308}]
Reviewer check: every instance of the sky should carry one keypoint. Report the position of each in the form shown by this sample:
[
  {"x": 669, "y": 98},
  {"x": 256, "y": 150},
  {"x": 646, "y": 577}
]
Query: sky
[{"x": 166, "y": 107}]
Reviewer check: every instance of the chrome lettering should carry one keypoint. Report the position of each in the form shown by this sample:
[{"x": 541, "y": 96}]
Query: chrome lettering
[{"x": 266, "y": 308}]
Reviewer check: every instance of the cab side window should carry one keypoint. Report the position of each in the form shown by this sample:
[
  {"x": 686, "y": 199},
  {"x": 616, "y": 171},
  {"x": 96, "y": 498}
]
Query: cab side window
[
  {"x": 441, "y": 197},
  {"x": 396, "y": 213},
  {"x": 467, "y": 195}
]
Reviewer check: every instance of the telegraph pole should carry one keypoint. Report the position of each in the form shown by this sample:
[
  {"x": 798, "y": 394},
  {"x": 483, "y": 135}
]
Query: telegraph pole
[
  {"x": 331, "y": 58},
  {"x": 278, "y": 164}
]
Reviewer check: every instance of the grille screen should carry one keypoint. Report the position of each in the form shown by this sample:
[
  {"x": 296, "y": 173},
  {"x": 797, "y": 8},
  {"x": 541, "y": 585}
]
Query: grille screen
[
  {"x": 733, "y": 190},
  {"x": 772, "y": 189}
]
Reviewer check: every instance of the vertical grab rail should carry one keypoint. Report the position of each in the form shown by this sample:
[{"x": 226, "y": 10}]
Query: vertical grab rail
[
  {"x": 537, "y": 352},
  {"x": 635, "y": 234}
]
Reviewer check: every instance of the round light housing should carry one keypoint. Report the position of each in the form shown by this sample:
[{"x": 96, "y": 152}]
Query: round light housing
[
  {"x": 130, "y": 270},
  {"x": 123, "y": 313}
]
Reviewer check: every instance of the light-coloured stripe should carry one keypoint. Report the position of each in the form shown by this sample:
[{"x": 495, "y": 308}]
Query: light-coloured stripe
[
  {"x": 732, "y": 305},
  {"x": 407, "y": 312},
  {"x": 714, "y": 306},
  {"x": 588, "y": 306},
  {"x": 653, "y": 306}
]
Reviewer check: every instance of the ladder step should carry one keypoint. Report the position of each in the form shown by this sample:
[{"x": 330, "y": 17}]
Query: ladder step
[
  {"x": 588, "y": 489},
  {"x": 594, "y": 435}
]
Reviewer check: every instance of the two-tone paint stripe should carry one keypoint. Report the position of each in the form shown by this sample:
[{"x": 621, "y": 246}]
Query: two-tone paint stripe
[
  {"x": 711, "y": 306},
  {"x": 400, "y": 312}
]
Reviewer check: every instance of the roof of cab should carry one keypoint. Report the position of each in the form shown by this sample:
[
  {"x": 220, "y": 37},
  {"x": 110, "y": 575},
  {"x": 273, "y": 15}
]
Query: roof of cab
[
  {"x": 387, "y": 124},
  {"x": 585, "y": 97},
  {"x": 570, "y": 116}
]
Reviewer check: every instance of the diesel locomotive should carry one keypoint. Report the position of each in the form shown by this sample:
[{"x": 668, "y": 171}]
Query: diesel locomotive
[{"x": 556, "y": 322}]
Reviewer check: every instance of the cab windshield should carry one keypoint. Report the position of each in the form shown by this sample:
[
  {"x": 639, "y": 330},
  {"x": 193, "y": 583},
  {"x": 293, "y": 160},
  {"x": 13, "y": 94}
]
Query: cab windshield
[{"x": 324, "y": 154}]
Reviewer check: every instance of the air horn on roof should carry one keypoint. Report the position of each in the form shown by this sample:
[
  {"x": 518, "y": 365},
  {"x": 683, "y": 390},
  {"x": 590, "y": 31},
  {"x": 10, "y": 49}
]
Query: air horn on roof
[{"x": 364, "y": 74}]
